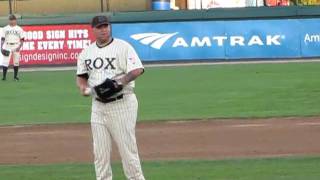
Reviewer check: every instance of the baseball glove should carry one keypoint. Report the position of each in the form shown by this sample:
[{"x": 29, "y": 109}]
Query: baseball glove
[
  {"x": 5, "y": 52},
  {"x": 107, "y": 89}
]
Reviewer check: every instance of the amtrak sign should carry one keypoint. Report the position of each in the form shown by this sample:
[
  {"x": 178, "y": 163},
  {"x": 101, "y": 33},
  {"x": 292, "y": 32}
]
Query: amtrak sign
[
  {"x": 157, "y": 40},
  {"x": 223, "y": 40}
]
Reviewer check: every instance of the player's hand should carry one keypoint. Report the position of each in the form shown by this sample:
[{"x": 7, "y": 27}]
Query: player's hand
[
  {"x": 118, "y": 82},
  {"x": 5, "y": 52},
  {"x": 85, "y": 91}
]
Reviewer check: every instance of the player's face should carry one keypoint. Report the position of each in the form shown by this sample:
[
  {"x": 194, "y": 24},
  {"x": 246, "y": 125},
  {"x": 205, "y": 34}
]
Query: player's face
[
  {"x": 13, "y": 22},
  {"x": 102, "y": 33}
]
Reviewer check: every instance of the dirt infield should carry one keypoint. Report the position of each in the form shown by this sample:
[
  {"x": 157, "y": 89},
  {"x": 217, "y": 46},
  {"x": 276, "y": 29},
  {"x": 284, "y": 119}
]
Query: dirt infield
[{"x": 215, "y": 139}]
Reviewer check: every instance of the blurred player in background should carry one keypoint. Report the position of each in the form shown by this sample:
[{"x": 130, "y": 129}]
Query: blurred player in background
[
  {"x": 0, "y": 48},
  {"x": 12, "y": 40}
]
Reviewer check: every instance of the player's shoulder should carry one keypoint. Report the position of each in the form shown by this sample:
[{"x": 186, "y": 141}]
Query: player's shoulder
[
  {"x": 16, "y": 27},
  {"x": 90, "y": 48},
  {"x": 6, "y": 27},
  {"x": 121, "y": 42},
  {"x": 19, "y": 27}
]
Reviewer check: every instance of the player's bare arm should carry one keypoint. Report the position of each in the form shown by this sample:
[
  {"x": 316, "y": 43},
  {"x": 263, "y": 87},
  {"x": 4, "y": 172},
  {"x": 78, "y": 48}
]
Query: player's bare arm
[
  {"x": 2, "y": 42},
  {"x": 20, "y": 46},
  {"x": 82, "y": 83},
  {"x": 132, "y": 75}
]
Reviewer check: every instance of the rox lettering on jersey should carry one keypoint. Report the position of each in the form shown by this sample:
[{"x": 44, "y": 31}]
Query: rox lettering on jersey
[
  {"x": 12, "y": 32},
  {"x": 100, "y": 63}
]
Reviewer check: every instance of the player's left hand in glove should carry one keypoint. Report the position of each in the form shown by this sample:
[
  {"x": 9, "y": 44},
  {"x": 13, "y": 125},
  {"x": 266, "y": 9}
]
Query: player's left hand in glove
[
  {"x": 5, "y": 52},
  {"x": 107, "y": 89}
]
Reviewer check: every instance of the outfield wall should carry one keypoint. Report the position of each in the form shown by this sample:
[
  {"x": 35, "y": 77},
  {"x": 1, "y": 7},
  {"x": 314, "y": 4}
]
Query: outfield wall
[
  {"x": 293, "y": 33},
  {"x": 205, "y": 40},
  {"x": 224, "y": 40}
]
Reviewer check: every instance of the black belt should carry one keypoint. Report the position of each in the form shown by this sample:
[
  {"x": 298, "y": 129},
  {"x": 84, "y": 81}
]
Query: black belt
[
  {"x": 12, "y": 43},
  {"x": 110, "y": 99}
]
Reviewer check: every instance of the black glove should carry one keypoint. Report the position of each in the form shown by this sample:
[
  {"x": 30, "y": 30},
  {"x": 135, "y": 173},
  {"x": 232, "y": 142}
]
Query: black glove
[
  {"x": 107, "y": 89},
  {"x": 5, "y": 52}
]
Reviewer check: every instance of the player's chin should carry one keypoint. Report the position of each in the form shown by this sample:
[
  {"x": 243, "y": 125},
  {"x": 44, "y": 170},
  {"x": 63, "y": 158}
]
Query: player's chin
[{"x": 104, "y": 36}]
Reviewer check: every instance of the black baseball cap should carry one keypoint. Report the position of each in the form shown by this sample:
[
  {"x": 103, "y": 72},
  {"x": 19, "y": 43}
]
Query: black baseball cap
[
  {"x": 12, "y": 17},
  {"x": 100, "y": 20}
]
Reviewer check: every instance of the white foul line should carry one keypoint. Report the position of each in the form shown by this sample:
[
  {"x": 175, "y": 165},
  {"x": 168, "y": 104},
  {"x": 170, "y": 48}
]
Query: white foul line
[{"x": 309, "y": 124}]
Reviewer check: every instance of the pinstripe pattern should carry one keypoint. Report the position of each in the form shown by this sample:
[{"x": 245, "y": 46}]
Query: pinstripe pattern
[
  {"x": 115, "y": 120},
  {"x": 126, "y": 60},
  {"x": 118, "y": 121}
]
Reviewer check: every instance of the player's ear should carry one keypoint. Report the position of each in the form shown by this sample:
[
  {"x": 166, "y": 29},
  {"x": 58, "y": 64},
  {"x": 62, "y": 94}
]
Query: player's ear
[{"x": 110, "y": 29}]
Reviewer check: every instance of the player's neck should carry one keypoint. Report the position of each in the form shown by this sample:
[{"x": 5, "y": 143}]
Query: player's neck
[{"x": 104, "y": 43}]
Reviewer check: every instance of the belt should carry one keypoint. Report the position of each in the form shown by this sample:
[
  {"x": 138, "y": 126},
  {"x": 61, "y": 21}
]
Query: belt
[
  {"x": 110, "y": 99},
  {"x": 12, "y": 43}
]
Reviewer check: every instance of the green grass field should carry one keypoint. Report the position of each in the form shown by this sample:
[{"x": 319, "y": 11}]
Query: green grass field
[
  {"x": 257, "y": 169},
  {"x": 219, "y": 91}
]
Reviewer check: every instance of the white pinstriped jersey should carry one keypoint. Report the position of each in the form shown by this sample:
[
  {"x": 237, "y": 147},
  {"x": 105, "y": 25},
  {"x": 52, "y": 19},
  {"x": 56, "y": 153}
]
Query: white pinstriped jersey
[
  {"x": 13, "y": 34},
  {"x": 115, "y": 59}
]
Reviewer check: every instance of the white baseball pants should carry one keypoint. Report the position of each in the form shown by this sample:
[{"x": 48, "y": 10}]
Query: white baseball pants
[{"x": 116, "y": 120}]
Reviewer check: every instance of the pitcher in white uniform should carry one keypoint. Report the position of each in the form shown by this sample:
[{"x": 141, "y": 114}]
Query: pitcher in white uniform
[
  {"x": 12, "y": 40},
  {"x": 115, "y": 119}
]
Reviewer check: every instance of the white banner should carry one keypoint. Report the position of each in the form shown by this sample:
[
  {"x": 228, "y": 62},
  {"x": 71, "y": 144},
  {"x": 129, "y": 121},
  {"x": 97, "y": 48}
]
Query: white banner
[
  {"x": 208, "y": 4},
  {"x": 224, "y": 3}
]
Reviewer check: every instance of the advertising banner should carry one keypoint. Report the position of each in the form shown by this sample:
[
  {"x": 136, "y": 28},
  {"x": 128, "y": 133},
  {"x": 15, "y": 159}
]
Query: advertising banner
[
  {"x": 245, "y": 39},
  {"x": 190, "y": 40},
  {"x": 310, "y": 37},
  {"x": 56, "y": 44}
]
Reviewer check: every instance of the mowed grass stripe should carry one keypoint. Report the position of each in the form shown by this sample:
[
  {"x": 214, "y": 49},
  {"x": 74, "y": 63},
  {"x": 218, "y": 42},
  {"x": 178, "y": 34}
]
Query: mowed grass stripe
[
  {"x": 194, "y": 92},
  {"x": 253, "y": 169}
]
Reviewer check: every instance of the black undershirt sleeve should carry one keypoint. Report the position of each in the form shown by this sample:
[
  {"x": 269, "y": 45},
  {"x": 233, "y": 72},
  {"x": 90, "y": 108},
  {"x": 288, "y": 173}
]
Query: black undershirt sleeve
[{"x": 85, "y": 76}]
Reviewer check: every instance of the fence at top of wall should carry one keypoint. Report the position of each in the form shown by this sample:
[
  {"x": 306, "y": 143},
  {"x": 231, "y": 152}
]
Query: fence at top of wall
[
  {"x": 71, "y": 6},
  {"x": 95, "y": 6}
]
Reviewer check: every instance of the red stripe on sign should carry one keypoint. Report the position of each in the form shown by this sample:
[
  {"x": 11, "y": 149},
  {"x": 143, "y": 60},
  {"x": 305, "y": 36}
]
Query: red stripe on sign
[{"x": 54, "y": 44}]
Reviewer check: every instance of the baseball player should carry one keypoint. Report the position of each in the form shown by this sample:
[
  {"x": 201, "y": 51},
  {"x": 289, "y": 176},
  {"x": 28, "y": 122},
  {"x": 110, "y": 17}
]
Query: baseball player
[
  {"x": 12, "y": 41},
  {"x": 0, "y": 48},
  {"x": 106, "y": 70}
]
